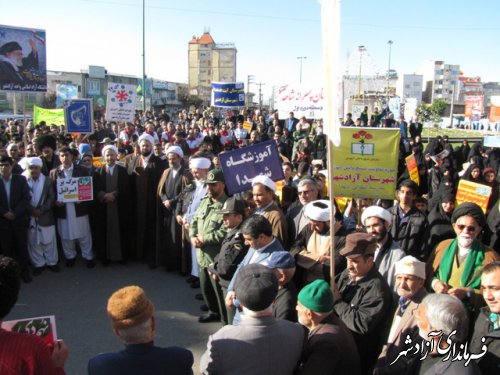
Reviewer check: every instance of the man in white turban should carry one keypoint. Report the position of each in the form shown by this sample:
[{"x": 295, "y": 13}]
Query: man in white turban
[
  {"x": 42, "y": 245},
  {"x": 146, "y": 170},
  {"x": 169, "y": 233},
  {"x": 112, "y": 230}
]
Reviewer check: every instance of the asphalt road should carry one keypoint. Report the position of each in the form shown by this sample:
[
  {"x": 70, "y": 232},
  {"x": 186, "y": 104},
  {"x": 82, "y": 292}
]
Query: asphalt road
[{"x": 78, "y": 296}]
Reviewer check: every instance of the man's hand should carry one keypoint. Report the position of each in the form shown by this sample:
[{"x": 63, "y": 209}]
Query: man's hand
[
  {"x": 229, "y": 299},
  {"x": 36, "y": 212},
  {"x": 200, "y": 238},
  {"x": 59, "y": 204},
  {"x": 196, "y": 242},
  {"x": 109, "y": 197},
  {"x": 324, "y": 259},
  {"x": 186, "y": 225},
  {"x": 179, "y": 219},
  {"x": 9, "y": 215},
  {"x": 440, "y": 287},
  {"x": 166, "y": 203},
  {"x": 460, "y": 293},
  {"x": 336, "y": 293},
  {"x": 59, "y": 353}
]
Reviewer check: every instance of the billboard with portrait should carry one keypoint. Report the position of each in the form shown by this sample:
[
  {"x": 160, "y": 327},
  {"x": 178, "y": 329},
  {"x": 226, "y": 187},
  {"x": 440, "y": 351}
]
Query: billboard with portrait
[{"x": 23, "y": 59}]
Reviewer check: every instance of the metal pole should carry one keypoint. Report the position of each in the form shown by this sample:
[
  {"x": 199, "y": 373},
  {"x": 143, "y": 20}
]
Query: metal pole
[
  {"x": 451, "y": 106},
  {"x": 361, "y": 49},
  {"x": 301, "y": 58},
  {"x": 144, "y": 55},
  {"x": 390, "y": 42}
]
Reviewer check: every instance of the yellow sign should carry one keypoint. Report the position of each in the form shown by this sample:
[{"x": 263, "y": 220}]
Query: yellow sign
[
  {"x": 248, "y": 126},
  {"x": 411, "y": 164},
  {"x": 98, "y": 161},
  {"x": 476, "y": 193},
  {"x": 365, "y": 164},
  {"x": 50, "y": 116}
]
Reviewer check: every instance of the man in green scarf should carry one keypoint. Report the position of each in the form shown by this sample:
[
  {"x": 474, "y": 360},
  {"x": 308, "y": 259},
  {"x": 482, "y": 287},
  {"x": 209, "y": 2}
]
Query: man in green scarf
[{"x": 456, "y": 264}]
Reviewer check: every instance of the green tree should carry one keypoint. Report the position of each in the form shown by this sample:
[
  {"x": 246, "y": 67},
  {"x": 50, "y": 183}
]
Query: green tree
[{"x": 432, "y": 112}]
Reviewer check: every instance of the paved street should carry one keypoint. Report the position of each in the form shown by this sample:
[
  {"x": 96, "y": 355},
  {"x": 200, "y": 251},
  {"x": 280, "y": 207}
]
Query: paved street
[{"x": 78, "y": 296}]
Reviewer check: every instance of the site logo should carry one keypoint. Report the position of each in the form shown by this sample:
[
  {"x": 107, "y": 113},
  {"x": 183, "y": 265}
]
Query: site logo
[{"x": 361, "y": 147}]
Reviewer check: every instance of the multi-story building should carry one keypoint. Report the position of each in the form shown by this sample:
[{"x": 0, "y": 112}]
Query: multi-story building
[
  {"x": 410, "y": 86},
  {"x": 209, "y": 62},
  {"x": 469, "y": 86},
  {"x": 490, "y": 89},
  {"x": 440, "y": 81}
]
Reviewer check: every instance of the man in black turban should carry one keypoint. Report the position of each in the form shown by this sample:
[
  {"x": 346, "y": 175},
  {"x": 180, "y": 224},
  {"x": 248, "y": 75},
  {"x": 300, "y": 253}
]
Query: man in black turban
[{"x": 13, "y": 62}]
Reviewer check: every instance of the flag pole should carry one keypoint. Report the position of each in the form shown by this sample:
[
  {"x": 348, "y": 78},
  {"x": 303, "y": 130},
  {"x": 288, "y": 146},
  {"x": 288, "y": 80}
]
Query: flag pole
[{"x": 330, "y": 25}]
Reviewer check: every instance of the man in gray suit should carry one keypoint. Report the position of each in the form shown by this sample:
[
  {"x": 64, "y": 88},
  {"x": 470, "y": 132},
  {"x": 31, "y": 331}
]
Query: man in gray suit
[
  {"x": 258, "y": 234},
  {"x": 42, "y": 244},
  {"x": 260, "y": 344}
]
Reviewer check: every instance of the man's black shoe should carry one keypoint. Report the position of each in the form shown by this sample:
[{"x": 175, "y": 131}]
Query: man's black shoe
[
  {"x": 191, "y": 279},
  {"x": 209, "y": 318},
  {"x": 204, "y": 308},
  {"x": 199, "y": 297},
  {"x": 70, "y": 262},
  {"x": 90, "y": 263},
  {"x": 195, "y": 285},
  {"x": 55, "y": 268},
  {"x": 26, "y": 277},
  {"x": 38, "y": 271}
]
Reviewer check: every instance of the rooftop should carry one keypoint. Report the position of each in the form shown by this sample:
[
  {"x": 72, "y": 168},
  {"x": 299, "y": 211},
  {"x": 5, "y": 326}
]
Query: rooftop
[{"x": 206, "y": 38}]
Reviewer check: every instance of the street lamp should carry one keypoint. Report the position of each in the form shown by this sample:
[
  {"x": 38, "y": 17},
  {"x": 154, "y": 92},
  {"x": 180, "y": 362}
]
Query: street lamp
[
  {"x": 301, "y": 58},
  {"x": 144, "y": 55},
  {"x": 361, "y": 49},
  {"x": 390, "y": 43}
]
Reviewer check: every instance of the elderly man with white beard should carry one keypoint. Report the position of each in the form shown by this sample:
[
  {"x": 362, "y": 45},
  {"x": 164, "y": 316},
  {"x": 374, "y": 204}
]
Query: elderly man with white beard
[
  {"x": 42, "y": 245},
  {"x": 455, "y": 263}
]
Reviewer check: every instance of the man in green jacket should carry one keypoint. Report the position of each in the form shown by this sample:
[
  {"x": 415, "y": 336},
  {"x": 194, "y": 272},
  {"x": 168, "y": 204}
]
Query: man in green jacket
[{"x": 207, "y": 233}]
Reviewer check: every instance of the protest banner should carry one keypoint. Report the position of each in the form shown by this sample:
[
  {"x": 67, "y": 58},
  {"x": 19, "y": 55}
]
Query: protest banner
[
  {"x": 474, "y": 106},
  {"x": 302, "y": 101},
  {"x": 492, "y": 141},
  {"x": 121, "y": 102},
  {"x": 472, "y": 192},
  {"x": 228, "y": 94},
  {"x": 410, "y": 111},
  {"x": 495, "y": 109},
  {"x": 65, "y": 91},
  {"x": 50, "y": 116},
  {"x": 74, "y": 189},
  {"x": 395, "y": 107},
  {"x": 43, "y": 327},
  {"x": 411, "y": 164},
  {"x": 242, "y": 165},
  {"x": 23, "y": 62},
  {"x": 78, "y": 116},
  {"x": 365, "y": 163}
]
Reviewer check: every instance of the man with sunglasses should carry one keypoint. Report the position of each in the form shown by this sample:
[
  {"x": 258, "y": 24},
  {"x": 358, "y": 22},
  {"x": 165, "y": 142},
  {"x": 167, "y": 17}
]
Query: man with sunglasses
[{"x": 455, "y": 264}]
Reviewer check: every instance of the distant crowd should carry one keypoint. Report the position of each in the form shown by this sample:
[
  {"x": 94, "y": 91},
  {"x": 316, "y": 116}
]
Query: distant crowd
[{"x": 403, "y": 268}]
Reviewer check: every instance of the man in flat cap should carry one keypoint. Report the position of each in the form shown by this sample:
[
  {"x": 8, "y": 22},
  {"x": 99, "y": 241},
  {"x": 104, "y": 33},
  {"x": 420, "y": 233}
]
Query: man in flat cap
[
  {"x": 283, "y": 265},
  {"x": 169, "y": 233},
  {"x": 42, "y": 244},
  {"x": 263, "y": 189},
  {"x": 377, "y": 222},
  {"x": 146, "y": 170},
  {"x": 13, "y": 64},
  {"x": 363, "y": 297},
  {"x": 207, "y": 232},
  {"x": 261, "y": 344},
  {"x": 410, "y": 287},
  {"x": 330, "y": 346},
  {"x": 133, "y": 321},
  {"x": 112, "y": 187},
  {"x": 454, "y": 266}
]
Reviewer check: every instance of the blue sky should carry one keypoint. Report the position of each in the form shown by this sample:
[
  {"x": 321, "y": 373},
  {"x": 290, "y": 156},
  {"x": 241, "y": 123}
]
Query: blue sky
[{"x": 269, "y": 35}]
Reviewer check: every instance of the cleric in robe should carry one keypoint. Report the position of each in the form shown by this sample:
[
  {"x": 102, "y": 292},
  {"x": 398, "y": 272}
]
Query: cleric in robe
[{"x": 112, "y": 204}]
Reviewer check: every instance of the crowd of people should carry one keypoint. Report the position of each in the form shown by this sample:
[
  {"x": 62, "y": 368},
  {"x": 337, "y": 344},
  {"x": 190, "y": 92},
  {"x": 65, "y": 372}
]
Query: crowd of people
[{"x": 403, "y": 268}]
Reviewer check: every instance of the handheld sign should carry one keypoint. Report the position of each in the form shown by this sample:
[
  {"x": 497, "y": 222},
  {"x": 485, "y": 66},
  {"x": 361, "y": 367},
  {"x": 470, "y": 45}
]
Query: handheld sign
[
  {"x": 74, "y": 189},
  {"x": 411, "y": 164},
  {"x": 78, "y": 116},
  {"x": 43, "y": 326},
  {"x": 471, "y": 192},
  {"x": 242, "y": 165}
]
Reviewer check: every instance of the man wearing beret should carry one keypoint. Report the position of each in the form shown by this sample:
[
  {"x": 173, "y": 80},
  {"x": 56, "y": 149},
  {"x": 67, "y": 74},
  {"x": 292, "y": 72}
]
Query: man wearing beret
[
  {"x": 207, "y": 233},
  {"x": 410, "y": 287},
  {"x": 454, "y": 266},
  {"x": 283, "y": 265},
  {"x": 261, "y": 344},
  {"x": 363, "y": 297},
  {"x": 377, "y": 222},
  {"x": 408, "y": 223},
  {"x": 133, "y": 321},
  {"x": 169, "y": 232},
  {"x": 330, "y": 347}
]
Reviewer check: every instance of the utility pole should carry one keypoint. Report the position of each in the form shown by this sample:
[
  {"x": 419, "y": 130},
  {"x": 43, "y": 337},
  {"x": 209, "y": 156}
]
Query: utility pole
[
  {"x": 250, "y": 79},
  {"x": 452, "y": 104},
  {"x": 260, "y": 84},
  {"x": 390, "y": 42},
  {"x": 144, "y": 55},
  {"x": 361, "y": 49},
  {"x": 301, "y": 58}
]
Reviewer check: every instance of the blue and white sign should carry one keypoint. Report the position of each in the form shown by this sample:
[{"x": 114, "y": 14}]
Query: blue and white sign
[
  {"x": 492, "y": 141},
  {"x": 228, "y": 95},
  {"x": 242, "y": 165},
  {"x": 79, "y": 116}
]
